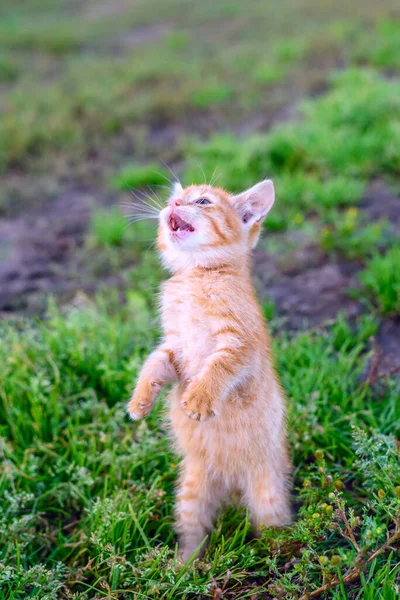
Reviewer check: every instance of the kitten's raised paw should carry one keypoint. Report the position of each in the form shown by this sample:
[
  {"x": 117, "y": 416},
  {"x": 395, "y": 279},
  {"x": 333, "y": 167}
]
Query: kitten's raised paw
[
  {"x": 197, "y": 404},
  {"x": 138, "y": 410},
  {"x": 141, "y": 403}
]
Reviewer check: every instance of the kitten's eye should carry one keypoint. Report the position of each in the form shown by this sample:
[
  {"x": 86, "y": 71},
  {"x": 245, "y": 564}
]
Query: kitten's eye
[{"x": 203, "y": 201}]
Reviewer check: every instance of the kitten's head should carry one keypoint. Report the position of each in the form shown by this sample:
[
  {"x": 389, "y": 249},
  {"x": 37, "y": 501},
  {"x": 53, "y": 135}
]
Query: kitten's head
[{"x": 206, "y": 226}]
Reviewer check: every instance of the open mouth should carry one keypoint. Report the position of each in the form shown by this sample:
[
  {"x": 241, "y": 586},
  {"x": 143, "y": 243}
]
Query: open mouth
[{"x": 176, "y": 224}]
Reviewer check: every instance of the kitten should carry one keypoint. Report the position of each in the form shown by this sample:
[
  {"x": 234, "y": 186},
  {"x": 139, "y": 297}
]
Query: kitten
[{"x": 226, "y": 409}]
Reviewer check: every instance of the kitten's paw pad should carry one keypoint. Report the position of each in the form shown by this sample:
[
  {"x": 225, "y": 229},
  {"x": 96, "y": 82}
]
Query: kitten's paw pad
[
  {"x": 142, "y": 400},
  {"x": 197, "y": 409},
  {"x": 138, "y": 410}
]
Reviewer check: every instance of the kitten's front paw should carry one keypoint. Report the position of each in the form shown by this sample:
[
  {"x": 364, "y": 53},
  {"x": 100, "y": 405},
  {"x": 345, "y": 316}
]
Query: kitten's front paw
[
  {"x": 197, "y": 403},
  {"x": 143, "y": 399}
]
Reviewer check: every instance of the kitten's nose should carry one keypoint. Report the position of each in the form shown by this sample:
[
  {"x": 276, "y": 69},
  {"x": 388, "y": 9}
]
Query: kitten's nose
[{"x": 175, "y": 203}]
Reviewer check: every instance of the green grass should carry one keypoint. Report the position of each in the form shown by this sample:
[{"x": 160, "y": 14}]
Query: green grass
[
  {"x": 90, "y": 76},
  {"x": 288, "y": 51},
  {"x": 380, "y": 47},
  {"x": 268, "y": 73},
  {"x": 137, "y": 176},
  {"x": 350, "y": 132},
  {"x": 352, "y": 239},
  {"x": 276, "y": 67},
  {"x": 108, "y": 227},
  {"x": 52, "y": 28},
  {"x": 211, "y": 93},
  {"x": 381, "y": 279},
  {"x": 321, "y": 164},
  {"x": 9, "y": 68},
  {"x": 88, "y": 496},
  {"x": 116, "y": 247}
]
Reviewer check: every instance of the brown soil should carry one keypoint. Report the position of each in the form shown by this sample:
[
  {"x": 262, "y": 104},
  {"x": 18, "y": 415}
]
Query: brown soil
[
  {"x": 107, "y": 8},
  {"x": 139, "y": 36},
  {"x": 388, "y": 340},
  {"x": 380, "y": 202},
  {"x": 307, "y": 287},
  {"x": 37, "y": 251}
]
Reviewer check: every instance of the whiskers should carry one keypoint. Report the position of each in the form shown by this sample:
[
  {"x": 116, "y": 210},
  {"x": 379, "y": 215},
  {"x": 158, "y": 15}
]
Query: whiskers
[
  {"x": 215, "y": 176},
  {"x": 145, "y": 207},
  {"x": 148, "y": 206}
]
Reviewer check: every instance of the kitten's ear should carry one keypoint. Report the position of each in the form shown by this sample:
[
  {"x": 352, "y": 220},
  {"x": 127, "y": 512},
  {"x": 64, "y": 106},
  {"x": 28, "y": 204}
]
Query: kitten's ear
[
  {"x": 177, "y": 188},
  {"x": 254, "y": 204}
]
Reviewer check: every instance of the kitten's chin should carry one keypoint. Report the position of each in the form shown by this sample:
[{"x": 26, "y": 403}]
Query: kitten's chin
[
  {"x": 180, "y": 235},
  {"x": 183, "y": 255},
  {"x": 177, "y": 251},
  {"x": 189, "y": 247}
]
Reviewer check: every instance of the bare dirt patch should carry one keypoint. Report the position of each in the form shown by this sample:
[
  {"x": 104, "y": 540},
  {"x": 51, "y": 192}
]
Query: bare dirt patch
[
  {"x": 309, "y": 290},
  {"x": 100, "y": 10},
  {"x": 380, "y": 202},
  {"x": 144, "y": 35},
  {"x": 137, "y": 36},
  {"x": 388, "y": 339},
  {"x": 37, "y": 251}
]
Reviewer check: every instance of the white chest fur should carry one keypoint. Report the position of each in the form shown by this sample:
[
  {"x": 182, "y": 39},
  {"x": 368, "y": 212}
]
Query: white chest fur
[{"x": 185, "y": 324}]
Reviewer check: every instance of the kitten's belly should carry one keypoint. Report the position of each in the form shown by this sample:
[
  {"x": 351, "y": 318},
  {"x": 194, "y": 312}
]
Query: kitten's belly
[{"x": 239, "y": 438}]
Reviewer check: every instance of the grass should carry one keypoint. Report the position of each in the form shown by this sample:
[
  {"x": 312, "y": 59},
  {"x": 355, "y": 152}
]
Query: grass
[
  {"x": 321, "y": 165},
  {"x": 346, "y": 236},
  {"x": 284, "y": 55},
  {"x": 9, "y": 68},
  {"x": 86, "y": 83},
  {"x": 88, "y": 496},
  {"x": 381, "y": 279},
  {"x": 113, "y": 246},
  {"x": 350, "y": 133},
  {"x": 137, "y": 176},
  {"x": 211, "y": 93},
  {"x": 385, "y": 51},
  {"x": 108, "y": 227}
]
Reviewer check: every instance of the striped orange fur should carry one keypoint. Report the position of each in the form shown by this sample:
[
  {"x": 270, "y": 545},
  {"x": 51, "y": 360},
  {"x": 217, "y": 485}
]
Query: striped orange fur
[{"x": 226, "y": 407}]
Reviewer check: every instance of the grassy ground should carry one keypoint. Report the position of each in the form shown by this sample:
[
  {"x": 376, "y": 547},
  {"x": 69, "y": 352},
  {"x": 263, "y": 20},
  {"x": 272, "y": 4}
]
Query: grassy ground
[{"x": 93, "y": 95}]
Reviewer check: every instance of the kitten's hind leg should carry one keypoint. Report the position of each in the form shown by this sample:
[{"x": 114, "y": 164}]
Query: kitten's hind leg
[
  {"x": 197, "y": 502},
  {"x": 267, "y": 498}
]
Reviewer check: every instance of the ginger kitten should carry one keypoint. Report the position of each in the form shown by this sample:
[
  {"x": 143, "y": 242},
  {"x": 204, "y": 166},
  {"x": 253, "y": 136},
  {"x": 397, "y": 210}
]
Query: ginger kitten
[{"x": 226, "y": 408}]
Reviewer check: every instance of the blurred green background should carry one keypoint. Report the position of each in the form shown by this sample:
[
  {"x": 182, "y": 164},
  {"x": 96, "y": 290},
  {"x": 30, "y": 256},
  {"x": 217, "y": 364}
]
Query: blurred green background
[
  {"x": 97, "y": 97},
  {"x": 102, "y": 97}
]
